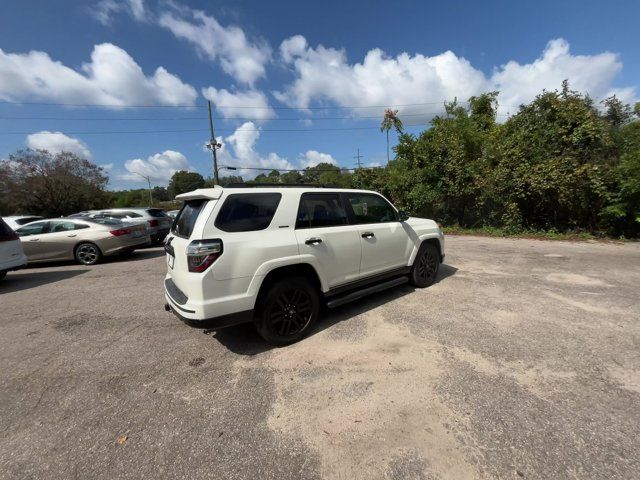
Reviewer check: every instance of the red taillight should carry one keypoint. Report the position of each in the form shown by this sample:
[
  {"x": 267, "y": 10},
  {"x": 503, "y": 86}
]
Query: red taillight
[
  {"x": 120, "y": 231},
  {"x": 9, "y": 237},
  {"x": 202, "y": 253},
  {"x": 153, "y": 223}
]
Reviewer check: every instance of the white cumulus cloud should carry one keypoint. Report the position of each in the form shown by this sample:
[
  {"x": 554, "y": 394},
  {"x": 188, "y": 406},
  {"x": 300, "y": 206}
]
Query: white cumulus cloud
[
  {"x": 159, "y": 167},
  {"x": 239, "y": 150},
  {"x": 104, "y": 10},
  {"x": 250, "y": 103},
  {"x": 311, "y": 158},
  {"x": 57, "y": 142},
  {"x": 324, "y": 75},
  {"x": 112, "y": 77},
  {"x": 239, "y": 57}
]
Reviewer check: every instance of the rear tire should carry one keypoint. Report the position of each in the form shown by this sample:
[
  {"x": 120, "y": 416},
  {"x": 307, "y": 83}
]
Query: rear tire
[
  {"x": 425, "y": 267},
  {"x": 88, "y": 253},
  {"x": 287, "y": 311}
]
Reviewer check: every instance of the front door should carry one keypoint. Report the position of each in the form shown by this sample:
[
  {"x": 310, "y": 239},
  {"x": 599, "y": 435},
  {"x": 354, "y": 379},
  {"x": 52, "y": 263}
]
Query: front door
[
  {"x": 323, "y": 232},
  {"x": 386, "y": 244}
]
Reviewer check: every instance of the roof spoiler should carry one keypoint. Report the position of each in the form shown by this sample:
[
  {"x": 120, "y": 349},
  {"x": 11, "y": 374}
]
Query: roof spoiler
[{"x": 202, "y": 193}]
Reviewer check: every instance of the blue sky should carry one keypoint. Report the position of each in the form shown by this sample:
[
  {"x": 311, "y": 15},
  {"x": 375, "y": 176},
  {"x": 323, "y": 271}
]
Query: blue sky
[{"x": 294, "y": 83}]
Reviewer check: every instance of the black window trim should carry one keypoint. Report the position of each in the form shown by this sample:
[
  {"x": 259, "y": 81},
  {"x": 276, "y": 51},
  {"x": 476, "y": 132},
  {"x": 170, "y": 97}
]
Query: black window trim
[
  {"x": 226, "y": 198},
  {"x": 341, "y": 198},
  {"x": 352, "y": 215}
]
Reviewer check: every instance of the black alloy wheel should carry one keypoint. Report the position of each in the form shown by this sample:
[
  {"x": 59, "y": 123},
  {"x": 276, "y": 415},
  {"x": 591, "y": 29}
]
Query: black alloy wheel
[
  {"x": 288, "y": 310},
  {"x": 425, "y": 266}
]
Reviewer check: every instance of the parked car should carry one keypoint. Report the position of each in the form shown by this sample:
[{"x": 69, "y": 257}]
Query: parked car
[
  {"x": 16, "y": 221},
  {"x": 273, "y": 255},
  {"x": 85, "y": 240},
  {"x": 157, "y": 221},
  {"x": 11, "y": 255}
]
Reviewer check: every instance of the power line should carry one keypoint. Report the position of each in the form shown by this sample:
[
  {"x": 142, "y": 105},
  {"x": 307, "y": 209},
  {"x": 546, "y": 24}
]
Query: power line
[
  {"x": 267, "y": 169},
  {"x": 422, "y": 114},
  {"x": 254, "y": 107},
  {"x": 226, "y": 130}
]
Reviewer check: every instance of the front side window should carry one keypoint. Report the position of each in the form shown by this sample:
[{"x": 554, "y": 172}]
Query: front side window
[
  {"x": 247, "y": 212},
  {"x": 320, "y": 210},
  {"x": 33, "y": 229},
  {"x": 371, "y": 208},
  {"x": 186, "y": 219}
]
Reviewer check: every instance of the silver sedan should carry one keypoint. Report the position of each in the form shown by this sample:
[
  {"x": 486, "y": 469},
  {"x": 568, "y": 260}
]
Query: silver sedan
[{"x": 86, "y": 241}]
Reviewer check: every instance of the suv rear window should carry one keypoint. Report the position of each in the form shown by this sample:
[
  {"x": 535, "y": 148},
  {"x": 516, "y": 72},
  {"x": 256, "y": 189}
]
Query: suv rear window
[
  {"x": 247, "y": 212},
  {"x": 186, "y": 219},
  {"x": 156, "y": 212}
]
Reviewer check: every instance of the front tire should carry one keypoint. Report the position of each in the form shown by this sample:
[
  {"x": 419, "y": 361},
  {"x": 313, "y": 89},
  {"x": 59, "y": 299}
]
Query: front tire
[
  {"x": 88, "y": 253},
  {"x": 287, "y": 311},
  {"x": 425, "y": 267}
]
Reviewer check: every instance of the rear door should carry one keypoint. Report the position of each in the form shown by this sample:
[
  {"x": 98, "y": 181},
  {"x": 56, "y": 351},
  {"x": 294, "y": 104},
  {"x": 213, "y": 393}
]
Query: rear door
[
  {"x": 386, "y": 244},
  {"x": 323, "y": 231},
  {"x": 31, "y": 236}
]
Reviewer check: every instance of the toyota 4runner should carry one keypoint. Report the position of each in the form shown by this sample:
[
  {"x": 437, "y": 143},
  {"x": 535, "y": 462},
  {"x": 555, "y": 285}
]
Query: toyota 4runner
[{"x": 274, "y": 255}]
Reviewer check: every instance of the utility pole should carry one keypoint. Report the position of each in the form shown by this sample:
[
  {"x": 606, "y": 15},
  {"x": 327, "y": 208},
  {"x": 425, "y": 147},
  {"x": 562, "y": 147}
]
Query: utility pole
[
  {"x": 358, "y": 157},
  {"x": 213, "y": 145},
  {"x": 148, "y": 179}
]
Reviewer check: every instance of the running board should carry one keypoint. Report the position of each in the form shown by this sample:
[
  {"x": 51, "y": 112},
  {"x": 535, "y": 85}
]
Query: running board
[{"x": 350, "y": 297}]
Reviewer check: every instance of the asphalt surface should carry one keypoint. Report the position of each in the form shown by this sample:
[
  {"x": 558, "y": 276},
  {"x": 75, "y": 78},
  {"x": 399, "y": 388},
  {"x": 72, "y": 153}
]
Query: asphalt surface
[{"x": 523, "y": 361}]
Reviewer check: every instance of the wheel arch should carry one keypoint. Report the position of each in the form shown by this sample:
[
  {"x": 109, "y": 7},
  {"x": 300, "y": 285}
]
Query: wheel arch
[
  {"x": 305, "y": 270},
  {"x": 432, "y": 239}
]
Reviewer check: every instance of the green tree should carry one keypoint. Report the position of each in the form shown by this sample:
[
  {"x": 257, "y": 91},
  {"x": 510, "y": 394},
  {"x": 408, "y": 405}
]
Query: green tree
[
  {"x": 38, "y": 182},
  {"x": 184, "y": 181},
  {"x": 390, "y": 120}
]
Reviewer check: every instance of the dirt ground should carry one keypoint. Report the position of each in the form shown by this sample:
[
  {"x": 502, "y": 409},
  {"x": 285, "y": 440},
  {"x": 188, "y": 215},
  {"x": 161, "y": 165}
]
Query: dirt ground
[{"x": 523, "y": 361}]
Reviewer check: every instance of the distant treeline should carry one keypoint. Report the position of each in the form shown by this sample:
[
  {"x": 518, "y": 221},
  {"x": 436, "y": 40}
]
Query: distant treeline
[{"x": 562, "y": 163}]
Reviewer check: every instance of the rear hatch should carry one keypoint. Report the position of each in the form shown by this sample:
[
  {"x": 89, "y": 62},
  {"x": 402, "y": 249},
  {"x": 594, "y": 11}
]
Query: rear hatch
[
  {"x": 10, "y": 246},
  {"x": 186, "y": 230}
]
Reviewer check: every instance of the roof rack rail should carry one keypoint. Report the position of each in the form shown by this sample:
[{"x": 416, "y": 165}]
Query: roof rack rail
[{"x": 278, "y": 185}]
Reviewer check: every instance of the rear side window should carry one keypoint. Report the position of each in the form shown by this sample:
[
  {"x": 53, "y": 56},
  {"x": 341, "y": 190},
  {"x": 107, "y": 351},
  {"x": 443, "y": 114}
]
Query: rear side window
[
  {"x": 320, "y": 210},
  {"x": 247, "y": 212},
  {"x": 156, "y": 212},
  {"x": 186, "y": 219}
]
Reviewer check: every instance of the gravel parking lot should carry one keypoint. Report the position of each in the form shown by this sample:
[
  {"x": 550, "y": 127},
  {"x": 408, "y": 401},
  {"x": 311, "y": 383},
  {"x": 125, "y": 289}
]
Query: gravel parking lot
[{"x": 522, "y": 361}]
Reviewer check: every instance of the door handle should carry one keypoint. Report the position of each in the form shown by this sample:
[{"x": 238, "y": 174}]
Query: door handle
[
  {"x": 34, "y": 240},
  {"x": 367, "y": 235},
  {"x": 313, "y": 241},
  {"x": 73, "y": 235}
]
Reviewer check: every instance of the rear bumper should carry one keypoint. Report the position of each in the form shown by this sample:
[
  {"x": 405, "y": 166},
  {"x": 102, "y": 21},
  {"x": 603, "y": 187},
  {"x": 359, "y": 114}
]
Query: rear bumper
[
  {"x": 178, "y": 304},
  {"x": 14, "y": 264}
]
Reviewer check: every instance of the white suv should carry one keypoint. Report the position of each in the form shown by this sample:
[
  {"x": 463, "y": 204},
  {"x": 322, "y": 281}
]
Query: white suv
[
  {"x": 273, "y": 255},
  {"x": 11, "y": 255}
]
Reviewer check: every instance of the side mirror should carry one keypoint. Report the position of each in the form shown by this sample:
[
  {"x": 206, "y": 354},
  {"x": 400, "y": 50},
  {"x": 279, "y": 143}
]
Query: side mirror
[{"x": 403, "y": 216}]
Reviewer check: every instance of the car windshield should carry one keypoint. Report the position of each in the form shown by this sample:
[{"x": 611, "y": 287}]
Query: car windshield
[{"x": 25, "y": 220}]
